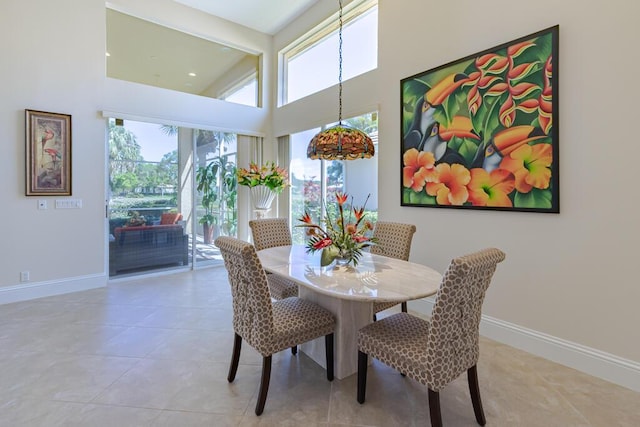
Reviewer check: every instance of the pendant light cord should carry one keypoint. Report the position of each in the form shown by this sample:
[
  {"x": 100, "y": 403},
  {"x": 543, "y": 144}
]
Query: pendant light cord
[{"x": 340, "y": 66}]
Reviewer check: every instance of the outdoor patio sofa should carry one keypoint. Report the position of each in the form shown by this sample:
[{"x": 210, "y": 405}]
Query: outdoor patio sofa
[{"x": 147, "y": 246}]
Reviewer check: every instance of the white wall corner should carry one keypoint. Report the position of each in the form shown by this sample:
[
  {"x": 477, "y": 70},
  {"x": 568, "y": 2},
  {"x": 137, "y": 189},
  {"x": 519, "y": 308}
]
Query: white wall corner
[
  {"x": 594, "y": 362},
  {"x": 31, "y": 291}
]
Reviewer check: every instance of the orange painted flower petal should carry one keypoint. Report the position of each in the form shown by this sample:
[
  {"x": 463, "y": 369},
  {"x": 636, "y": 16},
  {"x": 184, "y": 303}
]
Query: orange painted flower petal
[
  {"x": 517, "y": 49},
  {"x": 522, "y": 70},
  {"x": 522, "y": 90},
  {"x": 497, "y": 89}
]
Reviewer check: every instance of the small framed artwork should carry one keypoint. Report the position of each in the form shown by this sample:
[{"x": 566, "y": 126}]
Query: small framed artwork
[
  {"x": 481, "y": 132},
  {"x": 48, "y": 153}
]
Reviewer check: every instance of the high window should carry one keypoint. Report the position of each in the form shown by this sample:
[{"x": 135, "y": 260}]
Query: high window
[{"x": 316, "y": 53}]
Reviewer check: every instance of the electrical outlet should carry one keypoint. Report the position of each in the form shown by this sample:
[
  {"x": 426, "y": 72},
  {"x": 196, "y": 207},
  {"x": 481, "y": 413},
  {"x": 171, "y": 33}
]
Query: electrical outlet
[{"x": 24, "y": 276}]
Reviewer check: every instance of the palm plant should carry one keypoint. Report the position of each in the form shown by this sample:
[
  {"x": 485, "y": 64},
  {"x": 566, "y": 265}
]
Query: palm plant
[{"x": 207, "y": 180}]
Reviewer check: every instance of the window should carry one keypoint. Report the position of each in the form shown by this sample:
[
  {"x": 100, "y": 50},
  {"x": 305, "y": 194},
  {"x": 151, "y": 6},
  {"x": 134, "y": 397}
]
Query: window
[
  {"x": 315, "y": 182},
  {"x": 245, "y": 92},
  {"x": 316, "y": 54}
]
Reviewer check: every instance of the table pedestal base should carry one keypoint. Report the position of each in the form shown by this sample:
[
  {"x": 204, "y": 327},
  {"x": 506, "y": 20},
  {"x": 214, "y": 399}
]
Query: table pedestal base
[{"x": 350, "y": 317}]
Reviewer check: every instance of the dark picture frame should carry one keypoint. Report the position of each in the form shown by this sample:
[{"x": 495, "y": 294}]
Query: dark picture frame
[
  {"x": 481, "y": 132},
  {"x": 48, "y": 153}
]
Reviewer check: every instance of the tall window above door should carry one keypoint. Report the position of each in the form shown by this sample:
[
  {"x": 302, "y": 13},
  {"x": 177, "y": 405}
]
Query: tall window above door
[
  {"x": 315, "y": 182},
  {"x": 310, "y": 64}
]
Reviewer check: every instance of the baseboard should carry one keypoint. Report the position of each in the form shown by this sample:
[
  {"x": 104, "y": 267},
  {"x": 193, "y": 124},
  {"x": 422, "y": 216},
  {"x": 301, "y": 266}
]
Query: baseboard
[
  {"x": 594, "y": 362},
  {"x": 30, "y": 291}
]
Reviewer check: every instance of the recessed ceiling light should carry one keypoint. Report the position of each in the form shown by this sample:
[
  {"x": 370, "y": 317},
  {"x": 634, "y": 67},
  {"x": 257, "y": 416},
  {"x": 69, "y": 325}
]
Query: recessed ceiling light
[
  {"x": 192, "y": 74},
  {"x": 107, "y": 54}
]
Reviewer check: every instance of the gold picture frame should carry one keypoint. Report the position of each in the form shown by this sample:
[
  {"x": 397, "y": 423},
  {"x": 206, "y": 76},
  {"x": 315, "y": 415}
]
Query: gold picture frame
[{"x": 48, "y": 153}]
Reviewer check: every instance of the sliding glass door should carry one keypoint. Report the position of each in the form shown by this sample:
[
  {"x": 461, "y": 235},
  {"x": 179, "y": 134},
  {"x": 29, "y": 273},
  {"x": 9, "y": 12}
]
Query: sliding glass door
[
  {"x": 147, "y": 227},
  {"x": 216, "y": 195},
  {"x": 159, "y": 217}
]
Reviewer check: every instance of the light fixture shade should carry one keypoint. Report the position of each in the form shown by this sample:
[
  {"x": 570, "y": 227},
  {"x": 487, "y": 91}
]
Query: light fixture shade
[{"x": 340, "y": 142}]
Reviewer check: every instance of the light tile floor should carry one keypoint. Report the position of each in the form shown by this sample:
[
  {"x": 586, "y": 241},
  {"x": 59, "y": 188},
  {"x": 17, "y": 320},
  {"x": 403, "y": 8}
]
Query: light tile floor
[{"x": 154, "y": 351}]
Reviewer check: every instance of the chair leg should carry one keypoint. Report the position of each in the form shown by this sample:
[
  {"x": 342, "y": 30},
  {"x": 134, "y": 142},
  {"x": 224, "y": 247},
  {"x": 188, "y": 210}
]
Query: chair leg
[
  {"x": 363, "y": 362},
  {"x": 404, "y": 307},
  {"x": 235, "y": 358},
  {"x": 264, "y": 384},
  {"x": 474, "y": 390},
  {"x": 434, "y": 408},
  {"x": 328, "y": 349},
  {"x": 294, "y": 350},
  {"x": 375, "y": 318}
]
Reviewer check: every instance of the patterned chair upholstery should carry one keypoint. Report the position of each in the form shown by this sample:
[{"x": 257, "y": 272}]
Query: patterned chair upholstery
[
  {"x": 269, "y": 233},
  {"x": 268, "y": 327},
  {"x": 436, "y": 352},
  {"x": 394, "y": 241}
]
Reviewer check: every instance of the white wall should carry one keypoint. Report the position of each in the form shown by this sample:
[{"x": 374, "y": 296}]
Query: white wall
[
  {"x": 568, "y": 277},
  {"x": 54, "y": 60}
]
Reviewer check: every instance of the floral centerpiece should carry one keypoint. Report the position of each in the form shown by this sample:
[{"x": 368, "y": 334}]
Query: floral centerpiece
[
  {"x": 344, "y": 236},
  {"x": 270, "y": 175},
  {"x": 264, "y": 183}
]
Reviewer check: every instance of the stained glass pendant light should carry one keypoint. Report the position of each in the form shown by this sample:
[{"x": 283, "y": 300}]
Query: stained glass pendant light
[{"x": 340, "y": 142}]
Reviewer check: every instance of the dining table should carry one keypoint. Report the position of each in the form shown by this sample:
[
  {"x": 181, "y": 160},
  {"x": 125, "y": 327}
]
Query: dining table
[{"x": 349, "y": 292}]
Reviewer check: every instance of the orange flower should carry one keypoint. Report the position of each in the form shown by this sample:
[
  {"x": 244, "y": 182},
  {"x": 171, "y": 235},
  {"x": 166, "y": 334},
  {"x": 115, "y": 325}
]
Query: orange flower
[
  {"x": 341, "y": 198},
  {"x": 491, "y": 189},
  {"x": 451, "y": 186},
  {"x": 351, "y": 228},
  {"x": 306, "y": 218},
  {"x": 418, "y": 169},
  {"x": 530, "y": 165}
]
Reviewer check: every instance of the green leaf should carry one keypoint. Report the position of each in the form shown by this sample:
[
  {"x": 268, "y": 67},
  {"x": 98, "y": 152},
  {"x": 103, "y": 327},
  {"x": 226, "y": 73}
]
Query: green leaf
[
  {"x": 417, "y": 198},
  {"x": 535, "y": 199}
]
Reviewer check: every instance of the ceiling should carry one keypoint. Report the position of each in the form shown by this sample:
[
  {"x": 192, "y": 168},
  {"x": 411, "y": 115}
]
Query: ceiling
[{"x": 266, "y": 16}]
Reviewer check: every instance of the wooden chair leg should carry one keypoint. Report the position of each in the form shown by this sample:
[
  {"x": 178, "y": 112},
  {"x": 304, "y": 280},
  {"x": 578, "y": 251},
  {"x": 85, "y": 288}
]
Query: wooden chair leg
[
  {"x": 264, "y": 384},
  {"x": 434, "y": 408},
  {"x": 404, "y": 307},
  {"x": 294, "y": 350},
  {"x": 474, "y": 390},
  {"x": 328, "y": 349},
  {"x": 235, "y": 358},
  {"x": 363, "y": 362}
]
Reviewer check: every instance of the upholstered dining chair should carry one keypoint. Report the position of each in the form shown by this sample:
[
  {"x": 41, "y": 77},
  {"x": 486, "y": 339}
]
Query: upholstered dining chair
[
  {"x": 269, "y": 233},
  {"x": 436, "y": 352},
  {"x": 267, "y": 326},
  {"x": 394, "y": 240}
]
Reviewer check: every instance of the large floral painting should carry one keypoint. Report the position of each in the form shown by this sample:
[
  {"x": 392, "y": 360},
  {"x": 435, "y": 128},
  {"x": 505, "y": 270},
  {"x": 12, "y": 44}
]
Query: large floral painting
[{"x": 482, "y": 132}]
